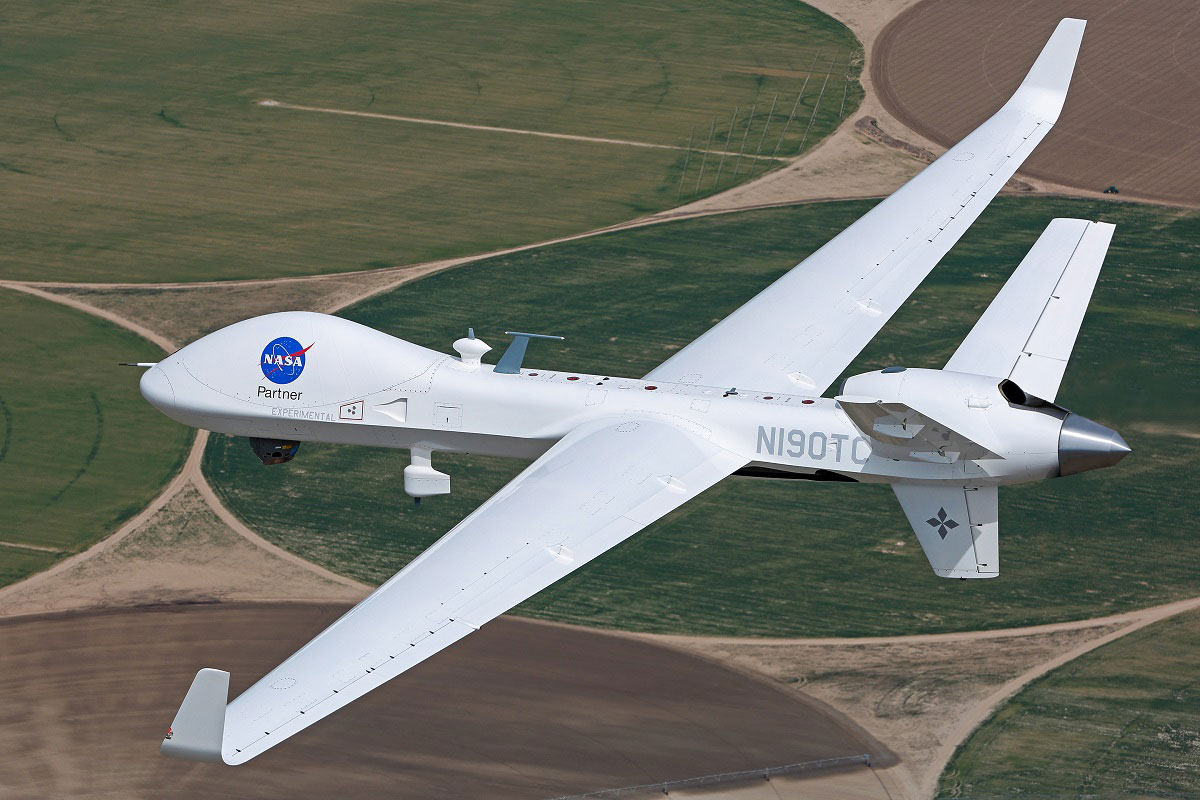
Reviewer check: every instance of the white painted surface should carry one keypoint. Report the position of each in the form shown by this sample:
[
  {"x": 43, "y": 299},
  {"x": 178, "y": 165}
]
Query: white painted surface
[{"x": 615, "y": 454}]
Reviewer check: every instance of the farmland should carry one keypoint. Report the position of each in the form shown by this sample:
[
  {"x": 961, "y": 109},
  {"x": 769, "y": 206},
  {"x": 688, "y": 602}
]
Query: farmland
[
  {"x": 78, "y": 451},
  {"x": 765, "y": 558},
  {"x": 943, "y": 65},
  {"x": 1117, "y": 722},
  {"x": 137, "y": 147}
]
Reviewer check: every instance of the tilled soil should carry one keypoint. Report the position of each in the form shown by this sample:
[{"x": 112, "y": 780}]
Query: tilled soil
[
  {"x": 1131, "y": 117},
  {"x": 518, "y": 710}
]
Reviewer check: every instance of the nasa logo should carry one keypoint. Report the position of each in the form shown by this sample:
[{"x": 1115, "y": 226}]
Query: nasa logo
[{"x": 283, "y": 360}]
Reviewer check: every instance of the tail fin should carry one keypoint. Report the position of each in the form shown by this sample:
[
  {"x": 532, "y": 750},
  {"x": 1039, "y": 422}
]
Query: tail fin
[
  {"x": 958, "y": 528},
  {"x": 1029, "y": 330}
]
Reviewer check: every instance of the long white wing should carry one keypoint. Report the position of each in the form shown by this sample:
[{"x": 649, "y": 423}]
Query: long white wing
[
  {"x": 598, "y": 486},
  {"x": 1028, "y": 332},
  {"x": 802, "y": 331}
]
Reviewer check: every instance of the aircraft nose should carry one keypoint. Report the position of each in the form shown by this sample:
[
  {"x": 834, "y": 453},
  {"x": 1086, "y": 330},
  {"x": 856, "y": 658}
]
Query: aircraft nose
[
  {"x": 1084, "y": 445},
  {"x": 156, "y": 388}
]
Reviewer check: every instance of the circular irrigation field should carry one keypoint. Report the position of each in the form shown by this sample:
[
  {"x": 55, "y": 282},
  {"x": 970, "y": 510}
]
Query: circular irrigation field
[
  {"x": 519, "y": 710},
  {"x": 1133, "y": 111}
]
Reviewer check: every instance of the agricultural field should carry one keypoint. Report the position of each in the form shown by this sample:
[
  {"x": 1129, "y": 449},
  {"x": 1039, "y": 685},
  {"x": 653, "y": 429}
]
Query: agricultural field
[
  {"x": 137, "y": 146},
  {"x": 80, "y": 451},
  {"x": 943, "y": 65},
  {"x": 1121, "y": 721},
  {"x": 756, "y": 557}
]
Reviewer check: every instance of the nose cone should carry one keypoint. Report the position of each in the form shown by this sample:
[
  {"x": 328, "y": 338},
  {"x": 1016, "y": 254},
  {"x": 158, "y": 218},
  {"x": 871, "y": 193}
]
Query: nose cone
[
  {"x": 1084, "y": 445},
  {"x": 156, "y": 388}
]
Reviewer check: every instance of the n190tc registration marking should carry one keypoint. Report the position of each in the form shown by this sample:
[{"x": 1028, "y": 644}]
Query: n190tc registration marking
[{"x": 817, "y": 445}]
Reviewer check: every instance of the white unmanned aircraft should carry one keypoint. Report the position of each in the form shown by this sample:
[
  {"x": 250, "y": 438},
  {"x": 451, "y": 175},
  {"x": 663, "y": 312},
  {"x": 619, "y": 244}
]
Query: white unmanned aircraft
[{"x": 615, "y": 454}]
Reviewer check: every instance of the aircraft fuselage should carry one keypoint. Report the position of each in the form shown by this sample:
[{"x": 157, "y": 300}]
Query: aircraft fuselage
[{"x": 355, "y": 385}]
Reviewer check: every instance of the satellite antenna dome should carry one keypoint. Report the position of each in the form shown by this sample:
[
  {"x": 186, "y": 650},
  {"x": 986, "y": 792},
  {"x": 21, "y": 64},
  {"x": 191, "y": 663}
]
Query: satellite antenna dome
[{"x": 470, "y": 349}]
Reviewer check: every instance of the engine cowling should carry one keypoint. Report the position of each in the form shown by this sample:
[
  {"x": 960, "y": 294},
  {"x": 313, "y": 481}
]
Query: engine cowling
[{"x": 997, "y": 414}]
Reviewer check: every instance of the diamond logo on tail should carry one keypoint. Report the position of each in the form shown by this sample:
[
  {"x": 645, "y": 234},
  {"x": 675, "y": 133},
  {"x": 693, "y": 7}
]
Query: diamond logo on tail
[{"x": 942, "y": 522}]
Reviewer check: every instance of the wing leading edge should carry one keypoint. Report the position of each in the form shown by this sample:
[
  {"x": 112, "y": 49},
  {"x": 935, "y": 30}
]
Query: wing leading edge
[
  {"x": 600, "y": 485},
  {"x": 798, "y": 334}
]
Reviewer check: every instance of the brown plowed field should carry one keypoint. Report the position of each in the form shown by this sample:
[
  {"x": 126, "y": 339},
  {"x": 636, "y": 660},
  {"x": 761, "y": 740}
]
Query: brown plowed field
[
  {"x": 1132, "y": 118},
  {"x": 518, "y": 710}
]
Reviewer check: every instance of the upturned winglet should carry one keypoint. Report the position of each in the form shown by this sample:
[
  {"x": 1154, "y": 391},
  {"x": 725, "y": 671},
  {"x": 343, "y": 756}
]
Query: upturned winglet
[
  {"x": 199, "y": 726},
  {"x": 1044, "y": 89}
]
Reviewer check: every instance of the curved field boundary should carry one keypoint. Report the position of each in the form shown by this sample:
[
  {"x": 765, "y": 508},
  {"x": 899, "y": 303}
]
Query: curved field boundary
[
  {"x": 1136, "y": 617},
  {"x": 516, "y": 711},
  {"x": 20, "y": 286},
  {"x": 411, "y": 271},
  {"x": 983, "y": 710},
  {"x": 924, "y": 784},
  {"x": 196, "y": 474},
  {"x": 177, "y": 483},
  {"x": 190, "y": 473}
]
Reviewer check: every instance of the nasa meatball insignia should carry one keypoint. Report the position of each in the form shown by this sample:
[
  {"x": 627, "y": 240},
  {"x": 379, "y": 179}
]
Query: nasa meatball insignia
[{"x": 283, "y": 360}]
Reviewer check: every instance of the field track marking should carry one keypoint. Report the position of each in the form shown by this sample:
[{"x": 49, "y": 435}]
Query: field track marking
[
  {"x": 190, "y": 474},
  {"x": 571, "y": 137},
  {"x": 421, "y": 270},
  {"x": 196, "y": 475},
  {"x": 38, "y": 547}
]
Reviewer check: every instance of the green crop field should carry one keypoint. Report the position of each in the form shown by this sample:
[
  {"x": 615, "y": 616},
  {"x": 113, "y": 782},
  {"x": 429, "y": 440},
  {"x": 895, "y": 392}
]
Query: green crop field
[
  {"x": 80, "y": 450},
  {"x": 1122, "y": 721},
  {"x": 777, "y": 558},
  {"x": 135, "y": 148}
]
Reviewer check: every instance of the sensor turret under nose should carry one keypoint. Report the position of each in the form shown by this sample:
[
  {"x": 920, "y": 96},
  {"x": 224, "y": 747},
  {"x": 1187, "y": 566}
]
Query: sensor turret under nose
[{"x": 1084, "y": 445}]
